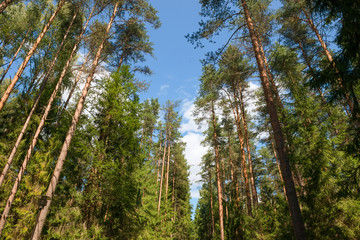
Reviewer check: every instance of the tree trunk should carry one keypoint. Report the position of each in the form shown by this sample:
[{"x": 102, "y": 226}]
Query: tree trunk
[
  {"x": 167, "y": 167},
  {"x": 76, "y": 81},
  {"x": 157, "y": 172},
  {"x": 252, "y": 179},
  {"x": 233, "y": 173},
  {"x": 11, "y": 157},
  {"x": 211, "y": 204},
  {"x": 13, "y": 58},
  {"x": 298, "y": 225},
  {"x": 242, "y": 150},
  {"x": 60, "y": 162},
  {"x": 224, "y": 192},
  {"x": 37, "y": 133},
  {"x": 330, "y": 58},
  {"x": 271, "y": 78},
  {"x": 218, "y": 179},
  {"x": 162, "y": 174},
  {"x": 4, "y": 4},
  {"x": 28, "y": 56}
]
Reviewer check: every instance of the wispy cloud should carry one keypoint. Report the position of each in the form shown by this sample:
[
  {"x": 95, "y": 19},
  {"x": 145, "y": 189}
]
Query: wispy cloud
[{"x": 163, "y": 89}]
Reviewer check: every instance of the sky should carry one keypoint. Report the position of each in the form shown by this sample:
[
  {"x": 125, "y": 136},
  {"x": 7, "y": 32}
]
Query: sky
[{"x": 176, "y": 69}]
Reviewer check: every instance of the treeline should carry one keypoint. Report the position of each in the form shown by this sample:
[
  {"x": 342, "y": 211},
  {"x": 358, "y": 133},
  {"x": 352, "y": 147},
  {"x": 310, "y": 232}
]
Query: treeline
[
  {"x": 283, "y": 161},
  {"x": 81, "y": 156}
]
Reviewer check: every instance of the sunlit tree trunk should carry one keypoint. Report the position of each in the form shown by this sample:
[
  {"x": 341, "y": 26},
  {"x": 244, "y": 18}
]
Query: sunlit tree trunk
[
  {"x": 12, "y": 154},
  {"x": 13, "y": 58},
  {"x": 218, "y": 178},
  {"x": 242, "y": 151},
  {"x": 76, "y": 81},
  {"x": 162, "y": 174},
  {"x": 37, "y": 133},
  {"x": 211, "y": 203},
  {"x": 298, "y": 224},
  {"x": 168, "y": 167},
  {"x": 246, "y": 134},
  {"x": 329, "y": 57},
  {"x": 4, "y": 4},
  {"x": 60, "y": 162},
  {"x": 29, "y": 55}
]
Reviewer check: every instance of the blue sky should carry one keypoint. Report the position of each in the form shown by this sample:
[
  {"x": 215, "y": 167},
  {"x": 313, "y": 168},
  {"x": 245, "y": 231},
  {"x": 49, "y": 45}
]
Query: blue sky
[{"x": 176, "y": 70}]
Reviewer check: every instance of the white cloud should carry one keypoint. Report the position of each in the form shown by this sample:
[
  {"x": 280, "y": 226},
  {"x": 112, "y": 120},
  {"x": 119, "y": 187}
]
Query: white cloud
[
  {"x": 194, "y": 151},
  {"x": 188, "y": 123}
]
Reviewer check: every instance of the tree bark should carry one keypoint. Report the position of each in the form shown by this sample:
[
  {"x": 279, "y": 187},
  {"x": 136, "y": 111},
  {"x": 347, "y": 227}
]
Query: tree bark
[
  {"x": 298, "y": 225},
  {"x": 252, "y": 179},
  {"x": 12, "y": 154},
  {"x": 13, "y": 58},
  {"x": 4, "y": 4},
  {"x": 242, "y": 150},
  {"x": 162, "y": 174},
  {"x": 29, "y": 55},
  {"x": 218, "y": 179},
  {"x": 76, "y": 81},
  {"x": 211, "y": 204},
  {"x": 330, "y": 58},
  {"x": 167, "y": 167},
  {"x": 60, "y": 162}
]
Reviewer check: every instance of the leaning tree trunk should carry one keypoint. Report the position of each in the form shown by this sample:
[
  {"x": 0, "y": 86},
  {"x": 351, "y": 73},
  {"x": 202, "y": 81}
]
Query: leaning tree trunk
[
  {"x": 218, "y": 179},
  {"x": 12, "y": 154},
  {"x": 298, "y": 224},
  {"x": 60, "y": 162},
  {"x": 29, "y": 55},
  {"x": 167, "y": 167},
  {"x": 246, "y": 135},
  {"x": 38, "y": 131},
  {"x": 4, "y": 4},
  {"x": 162, "y": 174},
  {"x": 330, "y": 58},
  {"x": 242, "y": 150},
  {"x": 13, "y": 58},
  {"x": 76, "y": 81}
]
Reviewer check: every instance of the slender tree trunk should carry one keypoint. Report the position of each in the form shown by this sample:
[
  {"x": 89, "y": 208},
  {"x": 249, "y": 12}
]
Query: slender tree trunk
[
  {"x": 242, "y": 150},
  {"x": 60, "y": 162},
  {"x": 16, "y": 53},
  {"x": 4, "y": 4},
  {"x": 278, "y": 165},
  {"x": 307, "y": 61},
  {"x": 28, "y": 56},
  {"x": 224, "y": 192},
  {"x": 218, "y": 179},
  {"x": 233, "y": 173},
  {"x": 11, "y": 157},
  {"x": 329, "y": 57},
  {"x": 159, "y": 160},
  {"x": 298, "y": 225},
  {"x": 162, "y": 173},
  {"x": 37, "y": 133},
  {"x": 243, "y": 117},
  {"x": 271, "y": 78},
  {"x": 168, "y": 167},
  {"x": 211, "y": 204},
  {"x": 150, "y": 142},
  {"x": 76, "y": 81},
  {"x": 173, "y": 185}
]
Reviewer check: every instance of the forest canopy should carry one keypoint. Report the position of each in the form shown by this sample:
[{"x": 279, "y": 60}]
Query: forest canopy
[{"x": 83, "y": 156}]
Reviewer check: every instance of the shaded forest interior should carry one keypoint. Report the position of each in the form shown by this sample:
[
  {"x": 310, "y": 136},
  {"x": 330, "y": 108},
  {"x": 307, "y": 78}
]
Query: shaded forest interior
[{"x": 84, "y": 157}]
